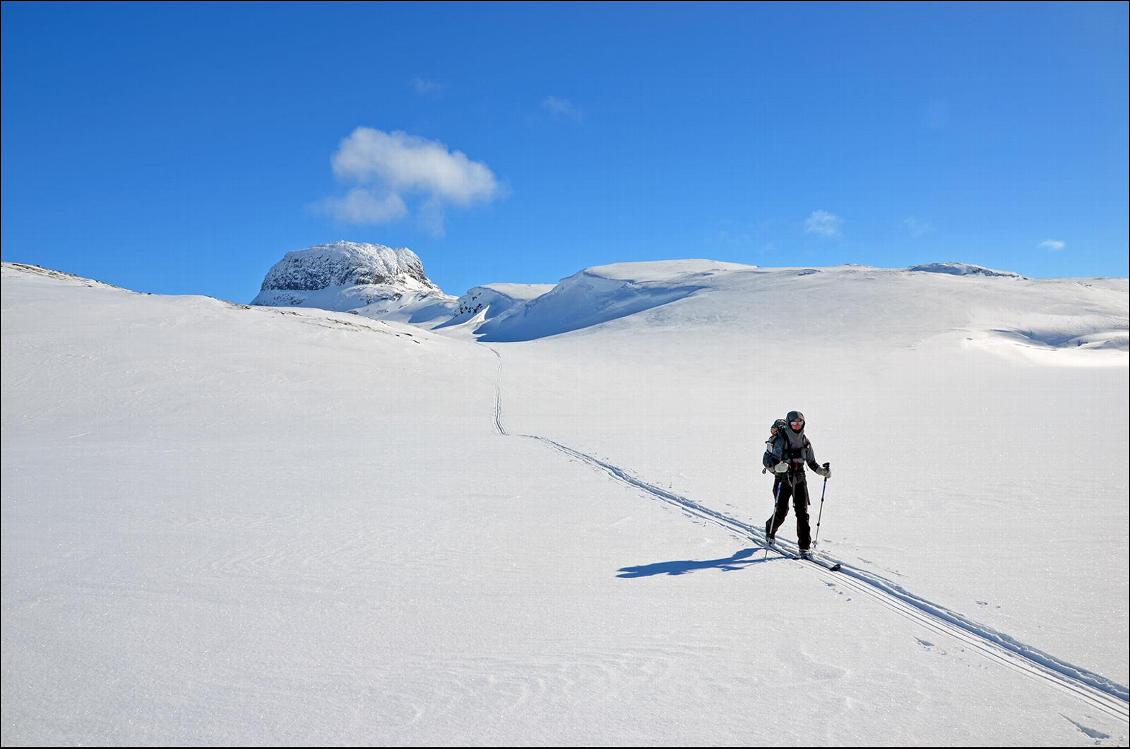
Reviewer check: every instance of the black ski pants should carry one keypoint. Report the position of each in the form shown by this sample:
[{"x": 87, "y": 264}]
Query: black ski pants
[{"x": 795, "y": 486}]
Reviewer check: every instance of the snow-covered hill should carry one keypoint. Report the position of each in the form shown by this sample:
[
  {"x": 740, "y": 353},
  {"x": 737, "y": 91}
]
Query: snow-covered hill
[
  {"x": 596, "y": 295},
  {"x": 491, "y": 300},
  {"x": 963, "y": 269},
  {"x": 376, "y": 280},
  {"x": 232, "y": 524},
  {"x": 992, "y": 308}
]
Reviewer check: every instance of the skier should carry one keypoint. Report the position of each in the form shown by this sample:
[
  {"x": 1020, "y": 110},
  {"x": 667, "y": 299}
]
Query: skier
[{"x": 786, "y": 452}]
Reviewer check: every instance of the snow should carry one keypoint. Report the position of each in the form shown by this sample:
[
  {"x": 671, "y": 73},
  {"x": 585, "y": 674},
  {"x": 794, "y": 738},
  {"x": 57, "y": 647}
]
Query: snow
[
  {"x": 963, "y": 269},
  {"x": 951, "y": 434},
  {"x": 344, "y": 276},
  {"x": 230, "y": 524},
  {"x": 599, "y": 294},
  {"x": 518, "y": 291},
  {"x": 491, "y": 300}
]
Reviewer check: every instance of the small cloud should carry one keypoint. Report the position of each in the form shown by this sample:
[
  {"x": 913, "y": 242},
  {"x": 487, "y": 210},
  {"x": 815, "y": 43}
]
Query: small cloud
[
  {"x": 823, "y": 223},
  {"x": 387, "y": 168},
  {"x": 1055, "y": 245},
  {"x": 916, "y": 227},
  {"x": 561, "y": 108},
  {"x": 363, "y": 206},
  {"x": 424, "y": 87}
]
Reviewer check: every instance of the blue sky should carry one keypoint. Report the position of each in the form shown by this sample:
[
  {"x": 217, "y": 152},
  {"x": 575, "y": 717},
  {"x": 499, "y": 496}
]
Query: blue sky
[{"x": 184, "y": 148}]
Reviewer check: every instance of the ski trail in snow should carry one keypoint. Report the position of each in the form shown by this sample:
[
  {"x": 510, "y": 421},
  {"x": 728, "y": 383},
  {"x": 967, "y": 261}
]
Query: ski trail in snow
[
  {"x": 498, "y": 398},
  {"x": 1094, "y": 689}
]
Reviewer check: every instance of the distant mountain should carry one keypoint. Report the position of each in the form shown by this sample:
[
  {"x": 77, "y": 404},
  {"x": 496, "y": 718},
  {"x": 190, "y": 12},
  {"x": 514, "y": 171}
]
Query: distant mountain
[
  {"x": 832, "y": 306},
  {"x": 491, "y": 300},
  {"x": 963, "y": 269},
  {"x": 603, "y": 293},
  {"x": 995, "y": 308},
  {"x": 373, "y": 279}
]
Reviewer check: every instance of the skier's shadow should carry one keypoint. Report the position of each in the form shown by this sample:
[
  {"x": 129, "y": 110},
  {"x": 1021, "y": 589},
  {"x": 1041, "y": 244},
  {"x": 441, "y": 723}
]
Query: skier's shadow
[{"x": 740, "y": 560}]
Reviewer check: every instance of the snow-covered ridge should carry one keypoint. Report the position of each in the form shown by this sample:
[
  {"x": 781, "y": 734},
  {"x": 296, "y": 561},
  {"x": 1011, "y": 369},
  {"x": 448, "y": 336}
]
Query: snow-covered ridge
[
  {"x": 379, "y": 282},
  {"x": 962, "y": 269},
  {"x": 603, "y": 293},
  {"x": 56, "y": 275},
  {"x": 490, "y": 300},
  {"x": 345, "y": 276},
  {"x": 1001, "y": 311},
  {"x": 668, "y": 271}
]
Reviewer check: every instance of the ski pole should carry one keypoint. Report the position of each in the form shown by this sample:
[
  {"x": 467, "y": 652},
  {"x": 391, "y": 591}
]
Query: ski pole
[{"x": 821, "y": 514}]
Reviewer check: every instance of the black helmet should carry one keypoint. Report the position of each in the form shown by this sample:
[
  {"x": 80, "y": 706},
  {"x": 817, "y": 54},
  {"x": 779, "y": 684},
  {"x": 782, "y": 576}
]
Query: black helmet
[{"x": 795, "y": 416}]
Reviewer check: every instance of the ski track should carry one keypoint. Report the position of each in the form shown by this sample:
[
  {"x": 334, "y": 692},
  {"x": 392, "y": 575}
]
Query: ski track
[{"x": 1091, "y": 688}]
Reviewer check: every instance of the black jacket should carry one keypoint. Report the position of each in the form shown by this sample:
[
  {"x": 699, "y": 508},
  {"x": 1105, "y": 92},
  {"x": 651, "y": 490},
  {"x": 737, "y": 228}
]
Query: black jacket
[{"x": 778, "y": 449}]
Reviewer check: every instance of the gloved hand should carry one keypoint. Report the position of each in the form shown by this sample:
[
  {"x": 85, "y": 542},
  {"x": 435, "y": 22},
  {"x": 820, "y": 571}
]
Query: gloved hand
[
  {"x": 825, "y": 470},
  {"x": 782, "y": 467}
]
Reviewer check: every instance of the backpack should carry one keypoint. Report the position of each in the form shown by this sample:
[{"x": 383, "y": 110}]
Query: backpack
[
  {"x": 776, "y": 428},
  {"x": 767, "y": 460}
]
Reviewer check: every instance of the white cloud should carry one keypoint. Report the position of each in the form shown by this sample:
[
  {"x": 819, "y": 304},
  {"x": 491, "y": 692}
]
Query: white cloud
[
  {"x": 409, "y": 163},
  {"x": 363, "y": 206},
  {"x": 387, "y": 168},
  {"x": 823, "y": 223},
  {"x": 561, "y": 108},
  {"x": 424, "y": 87},
  {"x": 917, "y": 227},
  {"x": 1055, "y": 245}
]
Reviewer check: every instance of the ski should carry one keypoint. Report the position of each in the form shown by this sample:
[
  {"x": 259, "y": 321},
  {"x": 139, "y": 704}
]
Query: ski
[
  {"x": 772, "y": 546},
  {"x": 811, "y": 556},
  {"x": 817, "y": 558}
]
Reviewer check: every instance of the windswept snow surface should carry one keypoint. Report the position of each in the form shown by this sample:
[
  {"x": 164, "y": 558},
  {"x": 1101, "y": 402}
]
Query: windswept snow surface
[
  {"x": 978, "y": 437},
  {"x": 226, "y": 524}
]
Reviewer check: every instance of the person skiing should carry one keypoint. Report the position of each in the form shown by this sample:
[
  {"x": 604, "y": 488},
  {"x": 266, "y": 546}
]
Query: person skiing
[{"x": 786, "y": 452}]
